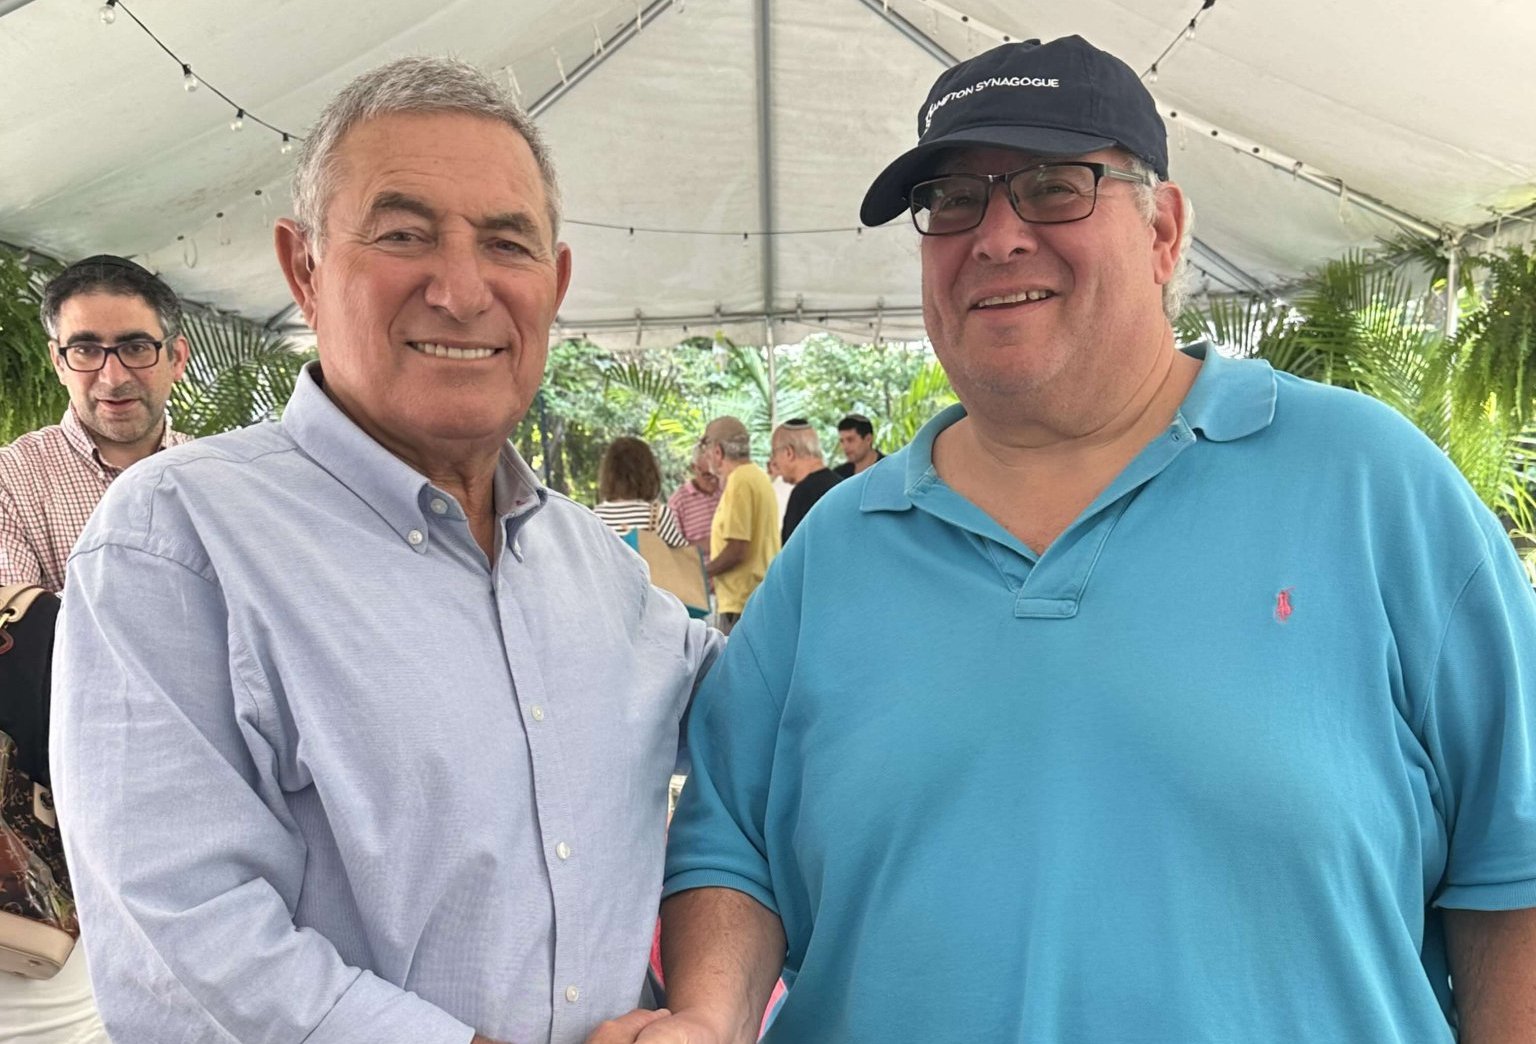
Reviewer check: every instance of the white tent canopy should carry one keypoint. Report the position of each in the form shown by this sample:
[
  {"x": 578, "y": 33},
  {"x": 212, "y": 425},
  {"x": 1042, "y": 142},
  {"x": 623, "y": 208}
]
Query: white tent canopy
[{"x": 686, "y": 129}]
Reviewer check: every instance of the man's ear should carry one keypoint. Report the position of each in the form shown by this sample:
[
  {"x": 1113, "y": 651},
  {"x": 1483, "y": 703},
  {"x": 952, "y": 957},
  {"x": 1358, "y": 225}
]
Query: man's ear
[
  {"x": 59, "y": 369},
  {"x": 181, "y": 348},
  {"x": 562, "y": 273},
  {"x": 1168, "y": 231},
  {"x": 297, "y": 260}
]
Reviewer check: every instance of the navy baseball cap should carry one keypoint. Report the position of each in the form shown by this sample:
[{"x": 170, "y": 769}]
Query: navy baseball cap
[{"x": 1063, "y": 98}]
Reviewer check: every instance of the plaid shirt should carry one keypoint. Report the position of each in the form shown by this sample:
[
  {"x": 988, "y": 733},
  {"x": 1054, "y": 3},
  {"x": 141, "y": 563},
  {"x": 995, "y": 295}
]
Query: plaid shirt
[{"x": 50, "y": 482}]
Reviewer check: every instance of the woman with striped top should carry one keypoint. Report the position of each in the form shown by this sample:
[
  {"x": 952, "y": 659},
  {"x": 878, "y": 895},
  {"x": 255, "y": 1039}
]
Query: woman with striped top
[{"x": 629, "y": 492}]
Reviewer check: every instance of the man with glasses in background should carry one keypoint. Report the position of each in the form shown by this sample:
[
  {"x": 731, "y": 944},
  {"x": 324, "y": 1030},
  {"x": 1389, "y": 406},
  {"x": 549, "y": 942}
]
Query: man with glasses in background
[
  {"x": 115, "y": 342},
  {"x": 1203, "y": 706}
]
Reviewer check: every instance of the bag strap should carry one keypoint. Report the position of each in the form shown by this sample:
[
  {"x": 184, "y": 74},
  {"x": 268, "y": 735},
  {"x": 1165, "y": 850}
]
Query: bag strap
[{"x": 15, "y": 600}]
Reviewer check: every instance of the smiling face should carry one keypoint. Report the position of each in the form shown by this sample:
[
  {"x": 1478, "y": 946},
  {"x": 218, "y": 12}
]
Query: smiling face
[
  {"x": 122, "y": 408},
  {"x": 1017, "y": 312},
  {"x": 433, "y": 296}
]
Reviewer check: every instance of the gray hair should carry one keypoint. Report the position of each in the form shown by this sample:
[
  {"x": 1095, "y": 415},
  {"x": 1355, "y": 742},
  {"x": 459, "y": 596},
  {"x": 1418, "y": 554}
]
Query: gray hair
[
  {"x": 1176, "y": 290},
  {"x": 407, "y": 85},
  {"x": 801, "y": 439}
]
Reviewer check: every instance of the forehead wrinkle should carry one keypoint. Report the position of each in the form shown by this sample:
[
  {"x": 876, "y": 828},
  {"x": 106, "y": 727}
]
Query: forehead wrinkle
[{"x": 391, "y": 200}]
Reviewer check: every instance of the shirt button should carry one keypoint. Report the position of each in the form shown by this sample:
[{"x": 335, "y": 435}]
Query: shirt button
[
  {"x": 439, "y": 506},
  {"x": 572, "y": 994},
  {"x": 563, "y": 850},
  {"x": 415, "y": 537},
  {"x": 538, "y": 712}
]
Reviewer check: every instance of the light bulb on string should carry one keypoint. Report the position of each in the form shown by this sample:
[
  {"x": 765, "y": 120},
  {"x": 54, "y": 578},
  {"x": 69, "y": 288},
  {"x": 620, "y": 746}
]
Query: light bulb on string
[
  {"x": 1152, "y": 74},
  {"x": 1189, "y": 32},
  {"x": 238, "y": 123},
  {"x": 109, "y": 12},
  {"x": 188, "y": 81},
  {"x": 287, "y": 145}
]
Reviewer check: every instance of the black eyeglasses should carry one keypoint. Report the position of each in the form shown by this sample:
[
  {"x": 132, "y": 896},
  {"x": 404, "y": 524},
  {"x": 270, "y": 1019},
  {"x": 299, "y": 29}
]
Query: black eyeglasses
[
  {"x": 1043, "y": 194},
  {"x": 89, "y": 356}
]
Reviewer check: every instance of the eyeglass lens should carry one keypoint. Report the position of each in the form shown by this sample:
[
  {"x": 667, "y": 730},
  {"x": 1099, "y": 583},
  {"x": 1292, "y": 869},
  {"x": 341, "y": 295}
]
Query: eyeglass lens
[{"x": 1049, "y": 194}]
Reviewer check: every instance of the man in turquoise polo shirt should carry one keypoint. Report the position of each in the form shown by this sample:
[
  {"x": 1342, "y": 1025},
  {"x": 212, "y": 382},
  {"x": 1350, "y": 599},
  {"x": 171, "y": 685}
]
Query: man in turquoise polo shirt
[{"x": 1202, "y": 706}]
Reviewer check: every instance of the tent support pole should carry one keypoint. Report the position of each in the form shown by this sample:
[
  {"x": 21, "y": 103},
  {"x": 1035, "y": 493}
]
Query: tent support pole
[
  {"x": 773, "y": 377},
  {"x": 1452, "y": 277},
  {"x": 911, "y": 32},
  {"x": 1253, "y": 283},
  {"x": 620, "y": 38},
  {"x": 765, "y": 179}
]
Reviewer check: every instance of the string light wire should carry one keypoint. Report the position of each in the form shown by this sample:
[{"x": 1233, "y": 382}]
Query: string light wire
[{"x": 192, "y": 81}]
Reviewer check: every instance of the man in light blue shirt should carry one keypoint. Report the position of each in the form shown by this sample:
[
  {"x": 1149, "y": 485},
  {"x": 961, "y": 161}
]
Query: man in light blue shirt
[
  {"x": 1204, "y": 705},
  {"x": 362, "y": 734}
]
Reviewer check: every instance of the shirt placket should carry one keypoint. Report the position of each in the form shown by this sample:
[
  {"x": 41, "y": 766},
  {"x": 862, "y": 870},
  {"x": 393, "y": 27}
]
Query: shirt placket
[{"x": 560, "y": 843}]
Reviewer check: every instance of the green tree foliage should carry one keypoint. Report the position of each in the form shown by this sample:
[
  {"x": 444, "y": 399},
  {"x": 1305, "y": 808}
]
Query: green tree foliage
[
  {"x": 1493, "y": 355},
  {"x": 667, "y": 396},
  {"x": 30, "y": 393}
]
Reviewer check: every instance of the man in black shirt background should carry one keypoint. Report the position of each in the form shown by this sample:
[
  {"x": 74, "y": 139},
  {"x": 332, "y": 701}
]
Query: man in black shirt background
[
  {"x": 797, "y": 453},
  {"x": 856, "y": 434}
]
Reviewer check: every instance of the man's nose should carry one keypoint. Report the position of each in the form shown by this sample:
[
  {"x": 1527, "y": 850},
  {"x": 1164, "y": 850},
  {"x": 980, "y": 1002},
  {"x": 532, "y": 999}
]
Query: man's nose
[
  {"x": 458, "y": 284},
  {"x": 113, "y": 371},
  {"x": 1002, "y": 233}
]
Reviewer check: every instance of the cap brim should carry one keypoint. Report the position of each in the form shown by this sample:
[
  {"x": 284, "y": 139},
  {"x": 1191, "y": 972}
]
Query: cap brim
[{"x": 887, "y": 195}]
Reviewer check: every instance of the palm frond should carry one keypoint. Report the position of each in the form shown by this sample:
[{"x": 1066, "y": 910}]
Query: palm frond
[
  {"x": 1495, "y": 348},
  {"x": 238, "y": 373}
]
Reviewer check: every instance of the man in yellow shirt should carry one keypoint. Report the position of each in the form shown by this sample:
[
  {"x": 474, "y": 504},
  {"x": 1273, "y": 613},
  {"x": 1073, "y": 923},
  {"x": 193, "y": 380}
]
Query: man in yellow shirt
[{"x": 744, "y": 536}]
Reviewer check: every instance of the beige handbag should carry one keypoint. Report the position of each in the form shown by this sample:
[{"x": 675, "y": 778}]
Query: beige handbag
[
  {"x": 679, "y": 570},
  {"x": 37, "y": 915}
]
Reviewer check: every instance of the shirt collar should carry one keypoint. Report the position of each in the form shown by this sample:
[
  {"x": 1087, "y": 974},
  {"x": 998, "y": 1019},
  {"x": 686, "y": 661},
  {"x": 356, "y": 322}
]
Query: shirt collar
[
  {"x": 79, "y": 440},
  {"x": 1230, "y": 399},
  {"x": 397, "y": 491}
]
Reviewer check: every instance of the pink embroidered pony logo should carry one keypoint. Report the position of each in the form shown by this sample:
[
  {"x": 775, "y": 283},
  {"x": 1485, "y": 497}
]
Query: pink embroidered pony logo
[{"x": 1283, "y": 608}]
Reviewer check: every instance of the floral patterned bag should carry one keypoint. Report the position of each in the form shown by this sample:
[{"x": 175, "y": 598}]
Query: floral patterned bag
[{"x": 38, "y": 927}]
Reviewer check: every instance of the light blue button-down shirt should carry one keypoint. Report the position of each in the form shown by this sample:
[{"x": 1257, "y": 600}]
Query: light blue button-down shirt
[{"x": 329, "y": 776}]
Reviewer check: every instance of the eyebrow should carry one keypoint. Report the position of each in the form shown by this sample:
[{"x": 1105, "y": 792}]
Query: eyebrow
[
  {"x": 506, "y": 221},
  {"x": 83, "y": 336}
]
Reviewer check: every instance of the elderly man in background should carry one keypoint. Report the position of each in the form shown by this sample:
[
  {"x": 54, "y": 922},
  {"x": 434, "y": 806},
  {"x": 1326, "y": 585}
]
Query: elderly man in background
[
  {"x": 796, "y": 449},
  {"x": 695, "y": 501},
  {"x": 744, "y": 535},
  {"x": 1204, "y": 705},
  {"x": 362, "y": 733}
]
